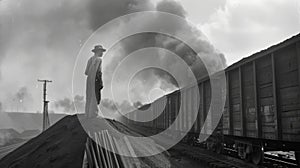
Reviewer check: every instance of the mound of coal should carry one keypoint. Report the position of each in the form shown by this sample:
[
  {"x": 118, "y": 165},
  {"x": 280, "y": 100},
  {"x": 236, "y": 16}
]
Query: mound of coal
[{"x": 60, "y": 146}]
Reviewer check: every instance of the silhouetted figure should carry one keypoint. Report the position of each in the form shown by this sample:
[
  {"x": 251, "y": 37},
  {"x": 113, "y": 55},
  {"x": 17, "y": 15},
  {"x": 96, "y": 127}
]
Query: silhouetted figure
[{"x": 94, "y": 82}]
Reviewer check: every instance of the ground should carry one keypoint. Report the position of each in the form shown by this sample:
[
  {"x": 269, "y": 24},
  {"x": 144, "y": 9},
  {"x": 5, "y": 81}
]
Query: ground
[{"x": 63, "y": 146}]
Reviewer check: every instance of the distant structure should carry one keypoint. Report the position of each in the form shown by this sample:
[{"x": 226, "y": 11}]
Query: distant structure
[{"x": 46, "y": 121}]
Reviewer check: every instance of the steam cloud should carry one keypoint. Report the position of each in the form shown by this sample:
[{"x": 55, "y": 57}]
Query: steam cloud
[
  {"x": 43, "y": 35},
  {"x": 21, "y": 100},
  {"x": 68, "y": 105},
  {"x": 207, "y": 52},
  {"x": 22, "y": 94},
  {"x": 102, "y": 11},
  {"x": 111, "y": 108}
]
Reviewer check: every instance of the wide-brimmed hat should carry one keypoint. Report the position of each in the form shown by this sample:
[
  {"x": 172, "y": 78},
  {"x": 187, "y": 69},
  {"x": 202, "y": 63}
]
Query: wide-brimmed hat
[{"x": 97, "y": 48}]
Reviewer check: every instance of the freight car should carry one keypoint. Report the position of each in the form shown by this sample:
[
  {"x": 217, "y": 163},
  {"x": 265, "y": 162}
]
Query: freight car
[{"x": 262, "y": 111}]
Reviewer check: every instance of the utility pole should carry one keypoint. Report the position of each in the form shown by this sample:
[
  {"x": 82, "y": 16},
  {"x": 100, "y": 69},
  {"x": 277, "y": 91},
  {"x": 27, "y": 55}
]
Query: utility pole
[{"x": 46, "y": 122}]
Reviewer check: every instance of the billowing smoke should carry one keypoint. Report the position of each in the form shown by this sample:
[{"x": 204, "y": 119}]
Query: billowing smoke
[
  {"x": 1, "y": 107},
  {"x": 112, "y": 109},
  {"x": 102, "y": 11},
  {"x": 70, "y": 106},
  {"x": 39, "y": 40},
  {"x": 113, "y": 106},
  {"x": 212, "y": 57},
  {"x": 109, "y": 104},
  {"x": 20, "y": 100},
  {"x": 22, "y": 94},
  {"x": 65, "y": 104},
  {"x": 42, "y": 40},
  {"x": 171, "y": 6},
  {"x": 137, "y": 104}
]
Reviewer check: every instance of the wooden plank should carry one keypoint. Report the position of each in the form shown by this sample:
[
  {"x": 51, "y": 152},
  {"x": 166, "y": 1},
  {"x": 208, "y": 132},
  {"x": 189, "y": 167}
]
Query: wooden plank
[
  {"x": 298, "y": 58},
  {"x": 248, "y": 100},
  {"x": 235, "y": 101},
  {"x": 258, "y": 119},
  {"x": 278, "y": 127},
  {"x": 289, "y": 79},
  {"x": 266, "y": 92},
  {"x": 229, "y": 105},
  {"x": 243, "y": 118}
]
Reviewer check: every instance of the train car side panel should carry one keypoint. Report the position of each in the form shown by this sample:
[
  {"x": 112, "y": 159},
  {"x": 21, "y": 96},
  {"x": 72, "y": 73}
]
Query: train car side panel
[
  {"x": 266, "y": 97},
  {"x": 288, "y": 93},
  {"x": 235, "y": 107},
  {"x": 250, "y": 119}
]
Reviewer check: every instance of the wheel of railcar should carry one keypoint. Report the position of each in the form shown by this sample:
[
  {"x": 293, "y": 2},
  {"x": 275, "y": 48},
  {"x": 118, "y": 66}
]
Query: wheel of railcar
[
  {"x": 297, "y": 156},
  {"x": 257, "y": 156},
  {"x": 209, "y": 146},
  {"x": 219, "y": 148},
  {"x": 248, "y": 158}
]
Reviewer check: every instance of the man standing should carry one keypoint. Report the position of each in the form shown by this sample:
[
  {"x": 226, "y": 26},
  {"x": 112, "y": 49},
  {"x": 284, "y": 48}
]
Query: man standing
[{"x": 94, "y": 82}]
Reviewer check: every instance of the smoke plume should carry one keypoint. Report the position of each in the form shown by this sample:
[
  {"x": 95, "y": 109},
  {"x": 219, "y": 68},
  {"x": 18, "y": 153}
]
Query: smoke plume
[
  {"x": 212, "y": 57},
  {"x": 70, "y": 106},
  {"x": 42, "y": 39},
  {"x": 20, "y": 100}
]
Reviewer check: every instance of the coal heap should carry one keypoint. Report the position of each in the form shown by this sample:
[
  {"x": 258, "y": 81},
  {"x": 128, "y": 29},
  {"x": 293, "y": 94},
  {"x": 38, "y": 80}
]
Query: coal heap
[{"x": 60, "y": 146}]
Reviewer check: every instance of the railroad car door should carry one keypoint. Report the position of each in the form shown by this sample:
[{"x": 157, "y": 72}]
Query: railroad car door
[
  {"x": 249, "y": 108},
  {"x": 226, "y": 115},
  {"x": 235, "y": 101},
  {"x": 266, "y": 97}
]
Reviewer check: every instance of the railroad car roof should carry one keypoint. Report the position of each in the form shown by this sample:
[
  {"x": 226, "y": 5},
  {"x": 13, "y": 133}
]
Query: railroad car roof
[
  {"x": 264, "y": 52},
  {"x": 259, "y": 54},
  {"x": 243, "y": 61}
]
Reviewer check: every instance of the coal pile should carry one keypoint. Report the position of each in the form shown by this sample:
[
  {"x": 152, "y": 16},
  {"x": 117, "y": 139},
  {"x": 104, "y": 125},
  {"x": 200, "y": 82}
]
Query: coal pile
[{"x": 62, "y": 145}]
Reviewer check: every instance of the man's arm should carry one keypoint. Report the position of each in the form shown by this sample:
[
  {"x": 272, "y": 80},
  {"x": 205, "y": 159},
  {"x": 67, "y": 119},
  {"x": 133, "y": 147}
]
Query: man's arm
[
  {"x": 99, "y": 74},
  {"x": 87, "y": 67}
]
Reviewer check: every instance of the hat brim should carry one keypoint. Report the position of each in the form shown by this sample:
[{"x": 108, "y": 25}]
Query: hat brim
[{"x": 94, "y": 50}]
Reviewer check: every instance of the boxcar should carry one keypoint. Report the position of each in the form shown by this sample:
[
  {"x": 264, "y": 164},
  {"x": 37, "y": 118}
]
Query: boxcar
[
  {"x": 262, "y": 110},
  {"x": 263, "y": 101}
]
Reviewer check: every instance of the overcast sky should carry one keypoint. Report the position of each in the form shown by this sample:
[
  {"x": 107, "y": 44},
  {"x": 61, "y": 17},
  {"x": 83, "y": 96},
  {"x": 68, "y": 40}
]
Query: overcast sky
[{"x": 40, "y": 39}]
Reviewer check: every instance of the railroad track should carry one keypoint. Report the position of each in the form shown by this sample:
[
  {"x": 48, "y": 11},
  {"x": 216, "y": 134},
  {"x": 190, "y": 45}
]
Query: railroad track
[
  {"x": 222, "y": 161},
  {"x": 269, "y": 160},
  {"x": 7, "y": 149},
  {"x": 277, "y": 162},
  {"x": 211, "y": 159},
  {"x": 199, "y": 154}
]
